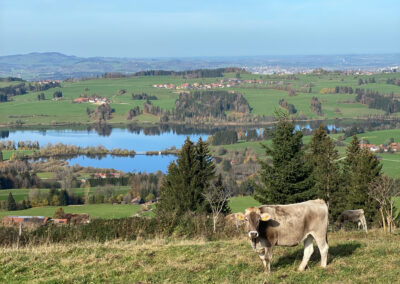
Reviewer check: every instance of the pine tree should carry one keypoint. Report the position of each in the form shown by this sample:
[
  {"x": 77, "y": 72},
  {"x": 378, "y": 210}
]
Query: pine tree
[
  {"x": 326, "y": 172},
  {"x": 11, "y": 205},
  {"x": 1, "y": 156},
  {"x": 63, "y": 197},
  {"x": 288, "y": 179},
  {"x": 186, "y": 180},
  {"x": 360, "y": 168}
]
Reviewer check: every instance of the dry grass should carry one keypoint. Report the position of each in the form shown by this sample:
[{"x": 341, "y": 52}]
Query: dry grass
[{"x": 353, "y": 257}]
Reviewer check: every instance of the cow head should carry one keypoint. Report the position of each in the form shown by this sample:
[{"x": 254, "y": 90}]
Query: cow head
[{"x": 253, "y": 216}]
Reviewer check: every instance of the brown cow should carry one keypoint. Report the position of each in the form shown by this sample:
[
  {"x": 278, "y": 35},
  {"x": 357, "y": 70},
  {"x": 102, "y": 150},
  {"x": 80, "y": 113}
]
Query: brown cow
[
  {"x": 288, "y": 225},
  {"x": 355, "y": 216}
]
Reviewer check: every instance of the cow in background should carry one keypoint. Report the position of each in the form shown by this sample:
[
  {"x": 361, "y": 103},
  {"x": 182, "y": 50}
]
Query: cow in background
[
  {"x": 288, "y": 225},
  {"x": 354, "y": 216}
]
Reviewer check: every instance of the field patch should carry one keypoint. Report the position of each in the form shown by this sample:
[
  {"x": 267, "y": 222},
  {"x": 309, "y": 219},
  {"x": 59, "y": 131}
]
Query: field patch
[{"x": 353, "y": 257}]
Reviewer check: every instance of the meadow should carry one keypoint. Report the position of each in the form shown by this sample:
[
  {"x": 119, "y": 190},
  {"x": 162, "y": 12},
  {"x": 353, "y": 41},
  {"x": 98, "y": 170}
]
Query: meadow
[
  {"x": 353, "y": 258},
  {"x": 263, "y": 101},
  {"x": 105, "y": 211},
  {"x": 22, "y": 193}
]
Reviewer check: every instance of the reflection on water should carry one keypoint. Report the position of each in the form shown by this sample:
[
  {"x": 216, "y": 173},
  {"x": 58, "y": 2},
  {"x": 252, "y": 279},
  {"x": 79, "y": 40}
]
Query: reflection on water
[
  {"x": 119, "y": 138},
  {"x": 140, "y": 163}
]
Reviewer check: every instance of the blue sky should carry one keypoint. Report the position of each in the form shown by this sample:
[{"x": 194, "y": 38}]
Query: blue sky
[{"x": 162, "y": 28}]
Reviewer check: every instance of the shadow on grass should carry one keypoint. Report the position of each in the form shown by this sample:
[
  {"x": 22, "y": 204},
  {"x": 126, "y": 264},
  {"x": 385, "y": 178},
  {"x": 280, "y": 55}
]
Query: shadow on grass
[{"x": 336, "y": 251}]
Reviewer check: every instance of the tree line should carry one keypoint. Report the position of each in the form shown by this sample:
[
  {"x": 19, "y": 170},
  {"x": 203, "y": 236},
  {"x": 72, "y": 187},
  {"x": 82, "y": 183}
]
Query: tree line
[
  {"x": 289, "y": 107},
  {"x": 294, "y": 173},
  {"x": 209, "y": 103},
  {"x": 198, "y": 73},
  {"x": 376, "y": 100},
  {"x": 316, "y": 106},
  {"x": 22, "y": 88},
  {"x": 393, "y": 81},
  {"x": 143, "y": 96}
]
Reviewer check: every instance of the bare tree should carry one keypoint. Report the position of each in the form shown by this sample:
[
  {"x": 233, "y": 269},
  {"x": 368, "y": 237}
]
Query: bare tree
[
  {"x": 385, "y": 190},
  {"x": 217, "y": 196}
]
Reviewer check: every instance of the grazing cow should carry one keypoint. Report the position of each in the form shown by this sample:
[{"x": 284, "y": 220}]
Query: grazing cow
[
  {"x": 234, "y": 220},
  {"x": 355, "y": 216},
  {"x": 288, "y": 225}
]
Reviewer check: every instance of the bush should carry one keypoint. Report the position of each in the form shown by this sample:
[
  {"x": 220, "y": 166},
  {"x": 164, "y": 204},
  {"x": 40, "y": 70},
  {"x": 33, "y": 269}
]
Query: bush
[{"x": 101, "y": 230}]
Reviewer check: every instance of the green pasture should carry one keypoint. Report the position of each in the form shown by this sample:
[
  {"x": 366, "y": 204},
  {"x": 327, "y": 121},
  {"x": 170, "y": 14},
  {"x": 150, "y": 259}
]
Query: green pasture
[
  {"x": 263, "y": 101},
  {"x": 105, "y": 211},
  {"x": 240, "y": 203},
  {"x": 354, "y": 257},
  {"x": 379, "y": 136},
  {"x": 8, "y": 153},
  {"x": 21, "y": 194}
]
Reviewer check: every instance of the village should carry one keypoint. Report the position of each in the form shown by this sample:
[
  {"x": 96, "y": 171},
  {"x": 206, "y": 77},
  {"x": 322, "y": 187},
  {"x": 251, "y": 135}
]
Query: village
[
  {"x": 392, "y": 147},
  {"x": 223, "y": 83}
]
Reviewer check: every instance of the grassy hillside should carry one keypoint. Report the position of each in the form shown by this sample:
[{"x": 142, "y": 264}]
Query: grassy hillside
[
  {"x": 22, "y": 193},
  {"x": 106, "y": 211},
  {"x": 353, "y": 258},
  {"x": 262, "y": 100}
]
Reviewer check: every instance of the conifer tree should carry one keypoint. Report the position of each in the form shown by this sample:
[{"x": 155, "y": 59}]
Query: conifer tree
[
  {"x": 1, "y": 156},
  {"x": 63, "y": 198},
  {"x": 288, "y": 179},
  {"x": 11, "y": 205},
  {"x": 186, "y": 181},
  {"x": 326, "y": 172},
  {"x": 360, "y": 167}
]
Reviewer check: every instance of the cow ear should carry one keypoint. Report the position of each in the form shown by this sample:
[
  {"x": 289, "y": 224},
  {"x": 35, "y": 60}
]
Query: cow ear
[
  {"x": 265, "y": 216},
  {"x": 240, "y": 216}
]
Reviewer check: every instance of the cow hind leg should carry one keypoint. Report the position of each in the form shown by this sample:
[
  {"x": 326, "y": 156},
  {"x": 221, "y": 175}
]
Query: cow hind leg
[
  {"x": 308, "y": 251},
  {"x": 364, "y": 224},
  {"x": 323, "y": 249}
]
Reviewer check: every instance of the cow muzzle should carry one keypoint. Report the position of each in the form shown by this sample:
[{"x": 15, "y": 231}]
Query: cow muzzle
[{"x": 253, "y": 234}]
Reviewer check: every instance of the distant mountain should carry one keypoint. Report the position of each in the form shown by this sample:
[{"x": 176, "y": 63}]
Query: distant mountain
[{"x": 54, "y": 65}]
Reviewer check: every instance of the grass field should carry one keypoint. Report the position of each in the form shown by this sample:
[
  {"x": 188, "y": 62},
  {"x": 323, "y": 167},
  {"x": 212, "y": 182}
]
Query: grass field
[
  {"x": 106, "y": 211},
  {"x": 21, "y": 194},
  {"x": 353, "y": 258},
  {"x": 263, "y": 101}
]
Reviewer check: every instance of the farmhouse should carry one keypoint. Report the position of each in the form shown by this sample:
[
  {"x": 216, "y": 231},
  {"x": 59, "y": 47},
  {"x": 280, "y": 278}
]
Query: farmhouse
[
  {"x": 371, "y": 147},
  {"x": 80, "y": 100},
  {"x": 38, "y": 220}
]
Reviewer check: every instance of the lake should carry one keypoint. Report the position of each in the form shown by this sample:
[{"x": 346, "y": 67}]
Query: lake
[
  {"x": 139, "y": 141},
  {"x": 117, "y": 138},
  {"x": 139, "y": 163}
]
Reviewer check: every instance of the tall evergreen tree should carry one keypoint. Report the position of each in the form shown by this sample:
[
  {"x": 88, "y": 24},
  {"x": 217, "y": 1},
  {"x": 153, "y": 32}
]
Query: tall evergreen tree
[
  {"x": 1, "y": 156},
  {"x": 326, "y": 171},
  {"x": 63, "y": 197},
  {"x": 360, "y": 168},
  {"x": 186, "y": 180},
  {"x": 288, "y": 179},
  {"x": 11, "y": 204}
]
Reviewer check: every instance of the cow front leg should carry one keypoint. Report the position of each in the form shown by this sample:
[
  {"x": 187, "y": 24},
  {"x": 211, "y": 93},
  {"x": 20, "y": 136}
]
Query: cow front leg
[
  {"x": 266, "y": 257},
  {"x": 308, "y": 251}
]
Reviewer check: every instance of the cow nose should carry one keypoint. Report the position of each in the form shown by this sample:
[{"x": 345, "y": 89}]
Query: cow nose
[{"x": 253, "y": 234}]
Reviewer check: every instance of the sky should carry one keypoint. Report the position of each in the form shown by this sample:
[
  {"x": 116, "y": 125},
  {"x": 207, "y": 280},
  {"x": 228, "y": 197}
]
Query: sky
[{"x": 188, "y": 28}]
